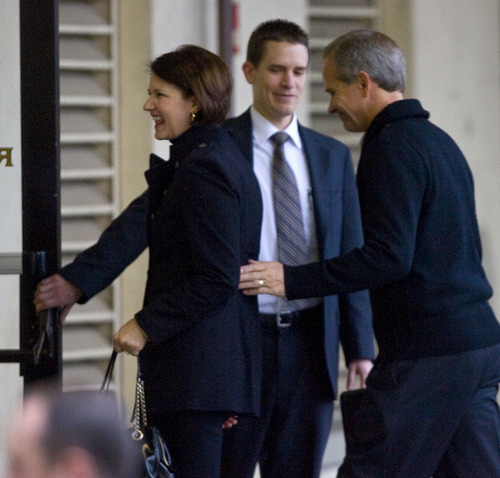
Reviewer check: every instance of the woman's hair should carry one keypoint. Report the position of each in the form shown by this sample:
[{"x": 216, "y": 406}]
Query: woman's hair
[
  {"x": 274, "y": 30},
  {"x": 369, "y": 51},
  {"x": 199, "y": 73}
]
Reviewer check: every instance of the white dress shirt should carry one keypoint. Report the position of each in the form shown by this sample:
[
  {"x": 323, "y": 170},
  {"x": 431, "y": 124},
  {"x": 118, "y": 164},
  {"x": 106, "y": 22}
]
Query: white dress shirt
[{"x": 262, "y": 165}]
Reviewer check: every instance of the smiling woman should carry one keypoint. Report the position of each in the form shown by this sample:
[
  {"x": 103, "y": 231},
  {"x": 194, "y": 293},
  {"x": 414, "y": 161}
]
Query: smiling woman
[
  {"x": 195, "y": 334},
  {"x": 171, "y": 112},
  {"x": 177, "y": 99}
]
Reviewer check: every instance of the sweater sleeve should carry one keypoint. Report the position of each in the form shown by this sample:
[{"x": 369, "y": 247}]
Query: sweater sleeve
[{"x": 392, "y": 180}]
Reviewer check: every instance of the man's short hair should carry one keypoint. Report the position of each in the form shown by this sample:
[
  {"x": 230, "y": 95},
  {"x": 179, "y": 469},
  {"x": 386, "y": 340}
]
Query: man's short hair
[
  {"x": 274, "y": 30},
  {"x": 90, "y": 420},
  {"x": 372, "y": 52}
]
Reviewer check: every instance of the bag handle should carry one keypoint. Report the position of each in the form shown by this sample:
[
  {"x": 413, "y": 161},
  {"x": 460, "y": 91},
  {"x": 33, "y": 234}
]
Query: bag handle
[
  {"x": 140, "y": 419},
  {"x": 109, "y": 372}
]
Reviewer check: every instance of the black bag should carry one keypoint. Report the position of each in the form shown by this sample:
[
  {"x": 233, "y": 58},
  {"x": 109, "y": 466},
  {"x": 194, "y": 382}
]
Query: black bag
[
  {"x": 364, "y": 434},
  {"x": 156, "y": 457}
]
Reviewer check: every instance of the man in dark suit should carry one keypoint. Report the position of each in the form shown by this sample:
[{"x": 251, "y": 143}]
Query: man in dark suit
[
  {"x": 301, "y": 348},
  {"x": 301, "y": 355},
  {"x": 434, "y": 385}
]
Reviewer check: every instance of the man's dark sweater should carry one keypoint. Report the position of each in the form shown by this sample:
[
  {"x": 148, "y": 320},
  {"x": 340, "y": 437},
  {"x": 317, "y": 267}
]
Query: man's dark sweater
[{"x": 422, "y": 254}]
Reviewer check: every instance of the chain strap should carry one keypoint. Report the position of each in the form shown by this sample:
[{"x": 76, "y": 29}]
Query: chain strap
[{"x": 140, "y": 417}]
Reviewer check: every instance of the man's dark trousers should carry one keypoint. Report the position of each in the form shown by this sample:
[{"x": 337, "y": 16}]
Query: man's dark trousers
[{"x": 297, "y": 396}]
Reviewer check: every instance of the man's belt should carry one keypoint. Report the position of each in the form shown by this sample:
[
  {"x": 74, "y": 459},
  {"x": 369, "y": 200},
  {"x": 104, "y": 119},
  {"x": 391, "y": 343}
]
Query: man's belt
[{"x": 287, "y": 318}]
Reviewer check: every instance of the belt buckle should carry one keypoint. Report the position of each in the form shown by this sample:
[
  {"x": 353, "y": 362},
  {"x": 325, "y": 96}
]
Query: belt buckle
[{"x": 279, "y": 319}]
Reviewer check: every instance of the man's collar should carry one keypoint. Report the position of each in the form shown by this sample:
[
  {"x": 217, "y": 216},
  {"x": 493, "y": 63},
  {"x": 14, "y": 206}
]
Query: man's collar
[{"x": 263, "y": 129}]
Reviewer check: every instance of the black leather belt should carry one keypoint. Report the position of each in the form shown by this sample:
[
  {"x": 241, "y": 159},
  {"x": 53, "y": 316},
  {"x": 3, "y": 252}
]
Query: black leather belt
[{"x": 288, "y": 318}]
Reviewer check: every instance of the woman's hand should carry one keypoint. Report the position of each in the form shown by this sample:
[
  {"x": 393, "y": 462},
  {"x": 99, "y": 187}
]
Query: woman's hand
[
  {"x": 56, "y": 291},
  {"x": 130, "y": 338}
]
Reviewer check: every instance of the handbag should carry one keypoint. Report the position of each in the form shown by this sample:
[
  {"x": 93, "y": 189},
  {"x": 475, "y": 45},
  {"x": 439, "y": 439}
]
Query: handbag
[{"x": 156, "y": 457}]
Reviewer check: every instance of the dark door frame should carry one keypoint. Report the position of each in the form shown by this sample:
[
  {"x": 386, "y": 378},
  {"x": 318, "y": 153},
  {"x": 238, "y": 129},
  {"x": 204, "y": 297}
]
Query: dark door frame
[{"x": 41, "y": 223}]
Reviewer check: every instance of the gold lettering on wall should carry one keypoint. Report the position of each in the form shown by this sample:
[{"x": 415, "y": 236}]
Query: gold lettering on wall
[{"x": 6, "y": 154}]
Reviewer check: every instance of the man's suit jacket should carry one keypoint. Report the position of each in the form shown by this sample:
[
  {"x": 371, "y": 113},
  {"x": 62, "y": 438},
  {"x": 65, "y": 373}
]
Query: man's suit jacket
[
  {"x": 347, "y": 318},
  {"x": 338, "y": 224}
]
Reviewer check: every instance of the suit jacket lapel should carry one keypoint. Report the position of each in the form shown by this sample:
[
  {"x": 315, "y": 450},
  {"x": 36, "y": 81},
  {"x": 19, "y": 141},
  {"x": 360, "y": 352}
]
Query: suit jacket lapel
[{"x": 317, "y": 160}]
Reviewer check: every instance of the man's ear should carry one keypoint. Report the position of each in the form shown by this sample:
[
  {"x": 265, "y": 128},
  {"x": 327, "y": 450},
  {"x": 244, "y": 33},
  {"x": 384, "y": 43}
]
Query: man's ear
[
  {"x": 364, "y": 81},
  {"x": 248, "y": 70}
]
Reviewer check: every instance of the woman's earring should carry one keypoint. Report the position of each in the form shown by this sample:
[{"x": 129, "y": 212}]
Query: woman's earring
[{"x": 193, "y": 116}]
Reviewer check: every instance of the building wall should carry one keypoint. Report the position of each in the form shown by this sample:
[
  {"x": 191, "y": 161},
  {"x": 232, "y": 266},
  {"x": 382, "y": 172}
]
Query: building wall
[
  {"x": 465, "y": 63},
  {"x": 455, "y": 65},
  {"x": 135, "y": 146}
]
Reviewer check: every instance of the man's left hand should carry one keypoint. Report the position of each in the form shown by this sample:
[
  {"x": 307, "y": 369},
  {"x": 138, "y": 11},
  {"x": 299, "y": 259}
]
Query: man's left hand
[
  {"x": 360, "y": 367},
  {"x": 260, "y": 277}
]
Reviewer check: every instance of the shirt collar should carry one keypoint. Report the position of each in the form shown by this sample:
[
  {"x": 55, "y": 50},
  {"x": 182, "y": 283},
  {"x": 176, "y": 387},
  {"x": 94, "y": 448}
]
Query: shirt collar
[{"x": 263, "y": 129}]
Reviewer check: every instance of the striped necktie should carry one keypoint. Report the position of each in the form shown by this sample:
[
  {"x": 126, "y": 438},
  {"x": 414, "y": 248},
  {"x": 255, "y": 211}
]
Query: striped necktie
[{"x": 292, "y": 245}]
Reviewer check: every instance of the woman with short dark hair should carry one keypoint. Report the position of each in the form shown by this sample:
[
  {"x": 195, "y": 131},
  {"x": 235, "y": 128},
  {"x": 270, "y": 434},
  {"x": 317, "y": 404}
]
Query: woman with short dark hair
[{"x": 196, "y": 336}]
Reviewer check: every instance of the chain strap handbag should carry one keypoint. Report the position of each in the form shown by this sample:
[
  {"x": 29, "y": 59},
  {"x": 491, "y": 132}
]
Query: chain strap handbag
[{"x": 157, "y": 461}]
